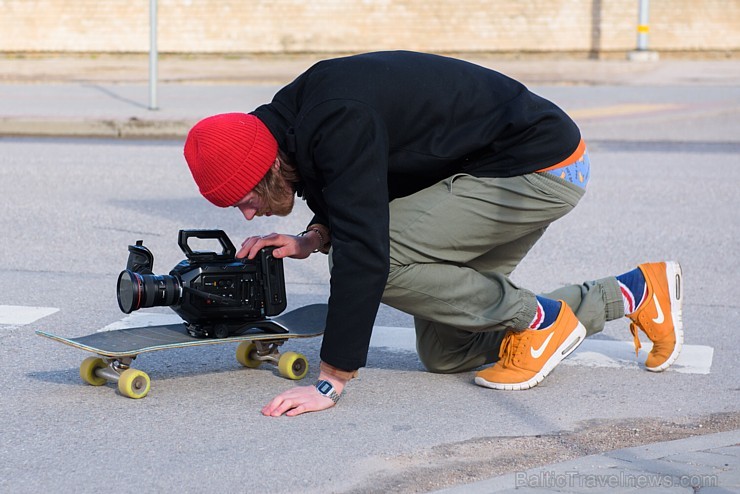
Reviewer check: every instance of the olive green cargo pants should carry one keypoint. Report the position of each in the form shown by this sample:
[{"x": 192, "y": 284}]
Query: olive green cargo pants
[{"x": 453, "y": 246}]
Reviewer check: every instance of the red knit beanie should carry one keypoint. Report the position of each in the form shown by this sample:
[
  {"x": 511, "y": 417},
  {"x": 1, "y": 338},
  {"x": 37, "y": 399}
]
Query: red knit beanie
[{"x": 228, "y": 155}]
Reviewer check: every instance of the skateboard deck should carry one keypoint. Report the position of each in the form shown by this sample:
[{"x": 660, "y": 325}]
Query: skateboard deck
[{"x": 258, "y": 343}]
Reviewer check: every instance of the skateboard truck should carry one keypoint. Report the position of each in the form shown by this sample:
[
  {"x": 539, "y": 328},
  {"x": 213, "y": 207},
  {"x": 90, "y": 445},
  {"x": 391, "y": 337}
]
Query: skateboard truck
[
  {"x": 131, "y": 382},
  {"x": 253, "y": 353}
]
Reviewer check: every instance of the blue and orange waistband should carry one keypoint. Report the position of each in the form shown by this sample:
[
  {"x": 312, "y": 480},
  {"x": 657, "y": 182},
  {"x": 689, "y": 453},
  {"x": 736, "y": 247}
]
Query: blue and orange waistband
[{"x": 575, "y": 169}]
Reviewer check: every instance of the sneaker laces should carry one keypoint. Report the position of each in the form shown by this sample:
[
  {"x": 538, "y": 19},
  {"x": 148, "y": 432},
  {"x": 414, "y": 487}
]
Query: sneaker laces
[
  {"x": 509, "y": 347},
  {"x": 634, "y": 329}
]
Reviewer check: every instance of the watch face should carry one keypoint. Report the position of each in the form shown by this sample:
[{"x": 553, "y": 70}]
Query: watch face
[{"x": 324, "y": 387}]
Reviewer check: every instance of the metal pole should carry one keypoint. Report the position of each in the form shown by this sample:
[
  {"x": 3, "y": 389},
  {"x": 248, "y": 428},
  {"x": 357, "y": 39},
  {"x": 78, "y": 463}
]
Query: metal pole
[
  {"x": 153, "y": 54},
  {"x": 643, "y": 27}
]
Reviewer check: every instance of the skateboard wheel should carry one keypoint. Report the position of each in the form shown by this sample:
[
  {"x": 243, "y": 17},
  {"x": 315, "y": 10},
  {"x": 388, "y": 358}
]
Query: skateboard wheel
[
  {"x": 244, "y": 352},
  {"x": 293, "y": 365},
  {"x": 88, "y": 368},
  {"x": 134, "y": 383}
]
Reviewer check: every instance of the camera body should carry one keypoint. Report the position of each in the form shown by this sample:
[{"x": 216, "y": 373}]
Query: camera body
[{"x": 215, "y": 293}]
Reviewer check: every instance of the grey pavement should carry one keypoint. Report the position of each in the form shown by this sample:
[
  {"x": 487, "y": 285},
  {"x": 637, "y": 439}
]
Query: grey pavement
[
  {"x": 707, "y": 464},
  {"x": 108, "y": 97}
]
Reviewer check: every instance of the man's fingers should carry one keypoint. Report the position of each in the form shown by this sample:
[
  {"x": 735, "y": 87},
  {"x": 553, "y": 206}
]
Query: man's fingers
[
  {"x": 285, "y": 246},
  {"x": 252, "y": 245},
  {"x": 279, "y": 405},
  {"x": 272, "y": 406},
  {"x": 296, "y": 411},
  {"x": 297, "y": 401}
]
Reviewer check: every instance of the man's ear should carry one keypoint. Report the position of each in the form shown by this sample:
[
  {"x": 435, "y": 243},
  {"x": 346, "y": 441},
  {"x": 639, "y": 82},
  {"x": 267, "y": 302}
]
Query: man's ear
[{"x": 276, "y": 165}]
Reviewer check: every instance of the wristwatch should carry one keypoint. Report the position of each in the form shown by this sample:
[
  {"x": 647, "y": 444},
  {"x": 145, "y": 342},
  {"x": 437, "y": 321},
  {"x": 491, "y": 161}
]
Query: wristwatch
[{"x": 327, "y": 389}]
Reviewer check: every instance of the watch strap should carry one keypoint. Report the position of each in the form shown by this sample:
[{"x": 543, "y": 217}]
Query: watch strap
[{"x": 326, "y": 388}]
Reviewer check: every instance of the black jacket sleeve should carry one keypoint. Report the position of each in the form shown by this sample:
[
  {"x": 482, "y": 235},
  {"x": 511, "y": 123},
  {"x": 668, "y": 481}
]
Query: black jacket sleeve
[{"x": 348, "y": 148}]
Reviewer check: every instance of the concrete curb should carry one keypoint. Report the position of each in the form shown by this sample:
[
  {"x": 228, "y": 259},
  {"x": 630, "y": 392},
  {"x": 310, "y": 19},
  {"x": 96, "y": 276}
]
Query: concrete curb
[{"x": 131, "y": 128}]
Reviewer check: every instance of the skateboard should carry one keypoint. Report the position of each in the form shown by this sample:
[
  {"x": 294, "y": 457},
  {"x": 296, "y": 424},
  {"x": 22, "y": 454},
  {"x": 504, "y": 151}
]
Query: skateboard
[{"x": 259, "y": 342}]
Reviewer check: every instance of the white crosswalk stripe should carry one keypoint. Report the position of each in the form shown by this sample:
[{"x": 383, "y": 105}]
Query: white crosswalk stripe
[
  {"x": 18, "y": 315},
  {"x": 694, "y": 359}
]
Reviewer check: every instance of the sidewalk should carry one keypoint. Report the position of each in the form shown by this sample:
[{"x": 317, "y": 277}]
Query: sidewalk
[
  {"x": 703, "y": 464},
  {"x": 108, "y": 96}
]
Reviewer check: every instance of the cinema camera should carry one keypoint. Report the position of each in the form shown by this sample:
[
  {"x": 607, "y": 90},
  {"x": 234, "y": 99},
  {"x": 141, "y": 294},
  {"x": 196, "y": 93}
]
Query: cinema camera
[{"x": 216, "y": 294}]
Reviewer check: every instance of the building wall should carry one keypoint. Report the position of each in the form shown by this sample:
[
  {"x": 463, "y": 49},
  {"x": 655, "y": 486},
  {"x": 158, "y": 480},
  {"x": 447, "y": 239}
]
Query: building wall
[{"x": 336, "y": 26}]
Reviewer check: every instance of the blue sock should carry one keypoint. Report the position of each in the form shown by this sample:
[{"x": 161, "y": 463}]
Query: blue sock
[
  {"x": 547, "y": 311},
  {"x": 632, "y": 284}
]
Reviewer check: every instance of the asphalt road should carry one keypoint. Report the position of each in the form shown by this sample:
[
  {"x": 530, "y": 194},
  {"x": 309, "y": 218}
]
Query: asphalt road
[{"x": 664, "y": 186}]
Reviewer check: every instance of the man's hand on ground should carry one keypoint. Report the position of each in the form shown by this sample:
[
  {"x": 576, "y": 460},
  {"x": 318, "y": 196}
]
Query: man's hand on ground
[{"x": 296, "y": 401}]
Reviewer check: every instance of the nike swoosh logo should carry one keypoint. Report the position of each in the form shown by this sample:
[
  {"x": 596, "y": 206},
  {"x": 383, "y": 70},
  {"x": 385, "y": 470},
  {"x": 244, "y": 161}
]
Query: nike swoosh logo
[
  {"x": 537, "y": 353},
  {"x": 660, "y": 318}
]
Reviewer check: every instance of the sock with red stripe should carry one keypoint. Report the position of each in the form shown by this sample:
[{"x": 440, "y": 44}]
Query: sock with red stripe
[
  {"x": 633, "y": 289},
  {"x": 547, "y": 312}
]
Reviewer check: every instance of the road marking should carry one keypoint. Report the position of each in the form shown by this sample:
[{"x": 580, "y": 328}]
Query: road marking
[
  {"x": 139, "y": 319},
  {"x": 394, "y": 338},
  {"x": 18, "y": 315},
  {"x": 694, "y": 359},
  {"x": 627, "y": 109}
]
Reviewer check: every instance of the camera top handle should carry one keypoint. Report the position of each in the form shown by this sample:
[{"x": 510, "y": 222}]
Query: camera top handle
[{"x": 228, "y": 249}]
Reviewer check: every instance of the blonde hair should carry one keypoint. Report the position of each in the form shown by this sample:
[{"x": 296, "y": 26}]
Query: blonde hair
[{"x": 276, "y": 187}]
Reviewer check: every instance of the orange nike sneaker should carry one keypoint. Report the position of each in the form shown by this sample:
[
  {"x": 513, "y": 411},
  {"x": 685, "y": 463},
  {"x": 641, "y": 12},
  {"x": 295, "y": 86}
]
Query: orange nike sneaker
[
  {"x": 659, "y": 315},
  {"x": 527, "y": 357}
]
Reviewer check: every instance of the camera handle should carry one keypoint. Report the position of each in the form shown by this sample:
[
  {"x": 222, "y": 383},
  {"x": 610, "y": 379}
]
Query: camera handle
[
  {"x": 140, "y": 259},
  {"x": 228, "y": 251}
]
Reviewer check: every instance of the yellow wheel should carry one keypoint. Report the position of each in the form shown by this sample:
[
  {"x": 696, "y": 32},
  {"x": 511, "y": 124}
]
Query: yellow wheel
[
  {"x": 87, "y": 371},
  {"x": 244, "y": 354},
  {"x": 293, "y": 365},
  {"x": 134, "y": 383}
]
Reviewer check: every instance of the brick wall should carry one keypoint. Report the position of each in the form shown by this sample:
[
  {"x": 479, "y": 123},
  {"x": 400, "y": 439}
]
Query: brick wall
[
  {"x": 299, "y": 26},
  {"x": 696, "y": 24}
]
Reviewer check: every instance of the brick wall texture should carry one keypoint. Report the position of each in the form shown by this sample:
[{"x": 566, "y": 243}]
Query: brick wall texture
[{"x": 339, "y": 26}]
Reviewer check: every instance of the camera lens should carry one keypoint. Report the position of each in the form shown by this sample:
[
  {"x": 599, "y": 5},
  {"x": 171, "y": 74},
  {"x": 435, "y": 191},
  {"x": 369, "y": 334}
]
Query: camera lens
[{"x": 136, "y": 290}]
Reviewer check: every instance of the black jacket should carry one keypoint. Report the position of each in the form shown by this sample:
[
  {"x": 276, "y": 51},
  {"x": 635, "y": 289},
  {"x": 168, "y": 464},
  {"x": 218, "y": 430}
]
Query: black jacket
[{"x": 365, "y": 129}]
